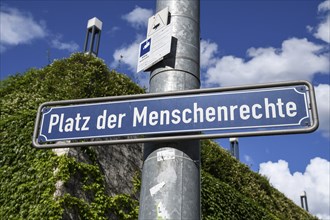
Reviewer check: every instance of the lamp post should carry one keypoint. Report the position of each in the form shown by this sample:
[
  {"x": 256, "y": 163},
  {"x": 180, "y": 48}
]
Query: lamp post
[
  {"x": 303, "y": 200},
  {"x": 234, "y": 150},
  {"x": 94, "y": 27}
]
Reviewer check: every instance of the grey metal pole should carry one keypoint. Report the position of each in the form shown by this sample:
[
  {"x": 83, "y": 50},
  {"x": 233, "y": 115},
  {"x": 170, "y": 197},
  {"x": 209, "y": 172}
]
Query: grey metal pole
[
  {"x": 91, "y": 46},
  {"x": 86, "y": 41},
  {"x": 98, "y": 43},
  {"x": 234, "y": 149},
  {"x": 306, "y": 203},
  {"x": 303, "y": 198},
  {"x": 171, "y": 171},
  {"x": 302, "y": 202}
]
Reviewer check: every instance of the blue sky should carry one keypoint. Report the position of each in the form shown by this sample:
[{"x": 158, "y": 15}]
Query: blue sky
[{"x": 243, "y": 42}]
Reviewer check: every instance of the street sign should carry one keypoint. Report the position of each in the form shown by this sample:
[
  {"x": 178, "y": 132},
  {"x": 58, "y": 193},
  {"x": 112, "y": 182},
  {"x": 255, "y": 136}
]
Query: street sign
[
  {"x": 153, "y": 49},
  {"x": 280, "y": 108},
  {"x": 158, "y": 42}
]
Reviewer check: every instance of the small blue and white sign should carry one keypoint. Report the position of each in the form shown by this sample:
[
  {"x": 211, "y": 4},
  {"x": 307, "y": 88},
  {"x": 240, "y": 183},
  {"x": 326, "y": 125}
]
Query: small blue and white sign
[
  {"x": 260, "y": 110},
  {"x": 145, "y": 47}
]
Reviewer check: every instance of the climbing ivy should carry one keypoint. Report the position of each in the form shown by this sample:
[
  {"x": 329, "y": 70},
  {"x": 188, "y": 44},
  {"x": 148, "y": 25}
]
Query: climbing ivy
[
  {"x": 122, "y": 206},
  {"x": 230, "y": 188},
  {"x": 28, "y": 176}
]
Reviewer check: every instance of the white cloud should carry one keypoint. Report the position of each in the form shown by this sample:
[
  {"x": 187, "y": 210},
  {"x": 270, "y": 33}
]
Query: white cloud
[
  {"x": 315, "y": 181},
  {"x": 322, "y": 93},
  {"x": 113, "y": 30},
  {"x": 297, "y": 59},
  {"x": 127, "y": 55},
  {"x": 324, "y": 6},
  {"x": 138, "y": 18},
  {"x": 58, "y": 44},
  {"x": 17, "y": 27},
  {"x": 208, "y": 51},
  {"x": 323, "y": 29}
]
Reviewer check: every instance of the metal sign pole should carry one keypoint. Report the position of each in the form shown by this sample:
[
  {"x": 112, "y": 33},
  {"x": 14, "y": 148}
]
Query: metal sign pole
[{"x": 171, "y": 170}]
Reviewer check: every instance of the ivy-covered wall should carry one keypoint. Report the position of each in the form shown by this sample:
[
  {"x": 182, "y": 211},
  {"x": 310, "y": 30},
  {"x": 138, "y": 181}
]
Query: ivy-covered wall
[
  {"x": 230, "y": 190},
  {"x": 103, "y": 182},
  {"x": 38, "y": 184}
]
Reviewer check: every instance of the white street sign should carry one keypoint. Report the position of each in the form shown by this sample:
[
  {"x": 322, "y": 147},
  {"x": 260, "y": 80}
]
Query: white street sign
[{"x": 154, "y": 48}]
